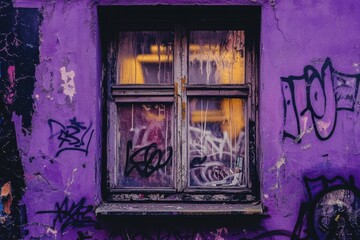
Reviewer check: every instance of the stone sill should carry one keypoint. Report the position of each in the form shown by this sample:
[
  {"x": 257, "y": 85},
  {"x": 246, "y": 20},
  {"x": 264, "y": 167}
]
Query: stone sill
[{"x": 123, "y": 209}]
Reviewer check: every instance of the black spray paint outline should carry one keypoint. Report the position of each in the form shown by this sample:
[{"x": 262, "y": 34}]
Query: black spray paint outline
[{"x": 310, "y": 75}]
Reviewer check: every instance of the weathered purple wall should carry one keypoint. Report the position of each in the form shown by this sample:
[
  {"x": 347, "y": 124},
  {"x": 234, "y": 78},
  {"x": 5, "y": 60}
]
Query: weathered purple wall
[{"x": 309, "y": 131}]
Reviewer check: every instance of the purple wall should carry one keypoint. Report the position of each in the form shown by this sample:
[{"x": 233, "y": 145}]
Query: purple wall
[{"x": 309, "y": 131}]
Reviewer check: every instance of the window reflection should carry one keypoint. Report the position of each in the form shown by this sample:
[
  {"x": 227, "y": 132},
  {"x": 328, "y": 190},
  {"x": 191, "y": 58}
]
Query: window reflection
[
  {"x": 145, "y": 57},
  {"x": 217, "y": 57}
]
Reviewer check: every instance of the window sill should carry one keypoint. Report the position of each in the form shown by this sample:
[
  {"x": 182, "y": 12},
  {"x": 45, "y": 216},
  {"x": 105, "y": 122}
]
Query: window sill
[{"x": 123, "y": 209}]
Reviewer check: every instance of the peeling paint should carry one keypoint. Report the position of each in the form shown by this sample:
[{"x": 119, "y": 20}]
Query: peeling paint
[
  {"x": 323, "y": 126},
  {"x": 74, "y": 24},
  {"x": 356, "y": 66},
  {"x": 306, "y": 146},
  {"x": 52, "y": 231},
  {"x": 6, "y": 194},
  {"x": 278, "y": 165},
  {"x": 280, "y": 162},
  {"x": 68, "y": 83},
  {"x": 183, "y": 85},
  {"x": 183, "y": 111},
  {"x": 10, "y": 89}
]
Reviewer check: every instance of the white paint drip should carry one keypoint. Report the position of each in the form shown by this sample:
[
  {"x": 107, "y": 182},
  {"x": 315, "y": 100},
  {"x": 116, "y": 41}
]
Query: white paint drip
[
  {"x": 70, "y": 181},
  {"x": 69, "y": 84}
]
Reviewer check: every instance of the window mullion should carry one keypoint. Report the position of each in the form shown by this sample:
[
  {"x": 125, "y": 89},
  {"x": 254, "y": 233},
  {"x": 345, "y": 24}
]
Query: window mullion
[{"x": 180, "y": 79}]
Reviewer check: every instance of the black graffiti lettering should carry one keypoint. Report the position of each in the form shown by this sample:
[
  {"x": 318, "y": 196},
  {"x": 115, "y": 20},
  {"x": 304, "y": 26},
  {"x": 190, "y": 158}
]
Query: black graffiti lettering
[
  {"x": 152, "y": 159},
  {"x": 332, "y": 211},
  {"x": 319, "y": 95},
  {"x": 75, "y": 215},
  {"x": 197, "y": 161},
  {"x": 74, "y": 136}
]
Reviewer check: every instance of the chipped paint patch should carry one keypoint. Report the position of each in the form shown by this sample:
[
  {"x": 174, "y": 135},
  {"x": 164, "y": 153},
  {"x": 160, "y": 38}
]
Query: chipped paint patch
[
  {"x": 51, "y": 231},
  {"x": 69, "y": 83},
  {"x": 356, "y": 66},
  {"x": 306, "y": 146},
  {"x": 323, "y": 126},
  {"x": 281, "y": 162},
  {"x": 176, "y": 89},
  {"x": 183, "y": 111},
  {"x": 183, "y": 83},
  {"x": 10, "y": 88},
  {"x": 6, "y": 193}
]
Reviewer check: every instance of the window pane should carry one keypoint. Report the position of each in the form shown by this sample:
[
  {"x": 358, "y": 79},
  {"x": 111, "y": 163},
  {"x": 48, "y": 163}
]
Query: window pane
[
  {"x": 217, "y": 57},
  {"x": 145, "y": 57},
  {"x": 216, "y": 142},
  {"x": 146, "y": 145}
]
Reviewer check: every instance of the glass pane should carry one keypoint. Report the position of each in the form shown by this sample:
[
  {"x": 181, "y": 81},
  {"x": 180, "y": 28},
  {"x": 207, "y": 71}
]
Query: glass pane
[
  {"x": 145, "y": 58},
  {"x": 216, "y": 142},
  {"x": 146, "y": 153},
  {"x": 217, "y": 57}
]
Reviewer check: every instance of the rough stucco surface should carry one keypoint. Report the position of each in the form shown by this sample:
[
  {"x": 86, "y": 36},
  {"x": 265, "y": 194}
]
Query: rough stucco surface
[{"x": 309, "y": 115}]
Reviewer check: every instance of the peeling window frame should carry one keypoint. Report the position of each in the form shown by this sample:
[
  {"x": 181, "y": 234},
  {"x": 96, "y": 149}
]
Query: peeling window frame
[{"x": 180, "y": 19}]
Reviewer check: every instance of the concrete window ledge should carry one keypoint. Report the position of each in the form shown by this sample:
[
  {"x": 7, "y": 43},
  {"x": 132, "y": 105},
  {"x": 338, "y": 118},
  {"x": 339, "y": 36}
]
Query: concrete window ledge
[{"x": 113, "y": 209}]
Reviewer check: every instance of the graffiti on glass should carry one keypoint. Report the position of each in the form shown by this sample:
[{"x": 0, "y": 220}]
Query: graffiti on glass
[{"x": 146, "y": 160}]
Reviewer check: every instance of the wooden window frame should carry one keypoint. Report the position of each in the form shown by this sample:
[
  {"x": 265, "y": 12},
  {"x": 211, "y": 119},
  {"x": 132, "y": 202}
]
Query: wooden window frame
[{"x": 126, "y": 18}]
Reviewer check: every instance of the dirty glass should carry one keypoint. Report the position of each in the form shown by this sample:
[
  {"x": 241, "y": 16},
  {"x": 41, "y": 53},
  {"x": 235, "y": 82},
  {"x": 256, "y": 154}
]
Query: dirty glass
[
  {"x": 216, "y": 142},
  {"x": 146, "y": 151},
  {"x": 217, "y": 57},
  {"x": 145, "y": 57}
]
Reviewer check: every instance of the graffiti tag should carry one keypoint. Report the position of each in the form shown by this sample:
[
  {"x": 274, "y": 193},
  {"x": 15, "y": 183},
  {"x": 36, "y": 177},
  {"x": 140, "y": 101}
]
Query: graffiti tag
[
  {"x": 146, "y": 160},
  {"x": 74, "y": 136},
  {"x": 317, "y": 96},
  {"x": 74, "y": 214}
]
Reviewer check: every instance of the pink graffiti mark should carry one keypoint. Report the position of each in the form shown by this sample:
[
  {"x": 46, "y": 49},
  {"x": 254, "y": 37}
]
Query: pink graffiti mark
[{"x": 10, "y": 89}]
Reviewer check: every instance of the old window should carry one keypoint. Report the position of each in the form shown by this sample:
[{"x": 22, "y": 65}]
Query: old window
[{"x": 180, "y": 107}]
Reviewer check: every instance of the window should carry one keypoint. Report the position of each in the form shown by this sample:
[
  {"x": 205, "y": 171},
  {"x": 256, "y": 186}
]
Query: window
[{"x": 181, "y": 107}]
